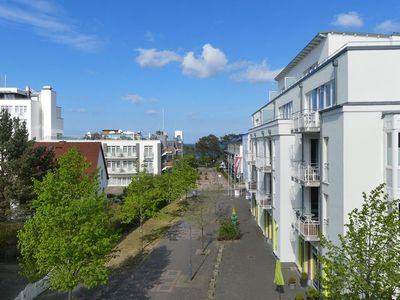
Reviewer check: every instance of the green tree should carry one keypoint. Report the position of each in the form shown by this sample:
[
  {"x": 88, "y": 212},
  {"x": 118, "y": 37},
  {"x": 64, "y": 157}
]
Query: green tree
[
  {"x": 224, "y": 140},
  {"x": 201, "y": 214},
  {"x": 365, "y": 265},
  {"x": 69, "y": 237},
  {"x": 20, "y": 162},
  {"x": 208, "y": 148}
]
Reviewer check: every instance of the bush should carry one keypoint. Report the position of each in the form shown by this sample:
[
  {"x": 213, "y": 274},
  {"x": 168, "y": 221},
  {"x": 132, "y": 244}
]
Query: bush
[
  {"x": 228, "y": 231},
  {"x": 299, "y": 296},
  {"x": 291, "y": 280},
  {"x": 8, "y": 239},
  {"x": 312, "y": 294}
]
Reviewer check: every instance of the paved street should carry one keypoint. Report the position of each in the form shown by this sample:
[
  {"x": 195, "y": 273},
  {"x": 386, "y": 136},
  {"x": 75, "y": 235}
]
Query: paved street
[{"x": 246, "y": 270}]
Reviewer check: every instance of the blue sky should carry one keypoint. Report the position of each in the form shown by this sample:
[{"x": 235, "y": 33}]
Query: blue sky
[{"x": 208, "y": 64}]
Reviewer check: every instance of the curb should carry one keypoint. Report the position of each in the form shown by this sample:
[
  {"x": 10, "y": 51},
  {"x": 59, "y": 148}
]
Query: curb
[{"x": 213, "y": 280}]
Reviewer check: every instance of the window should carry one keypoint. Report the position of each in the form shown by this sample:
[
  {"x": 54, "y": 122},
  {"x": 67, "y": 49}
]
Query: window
[
  {"x": 322, "y": 97},
  {"x": 285, "y": 111},
  {"x": 7, "y": 108},
  {"x": 20, "y": 110},
  {"x": 148, "y": 151},
  {"x": 389, "y": 148}
]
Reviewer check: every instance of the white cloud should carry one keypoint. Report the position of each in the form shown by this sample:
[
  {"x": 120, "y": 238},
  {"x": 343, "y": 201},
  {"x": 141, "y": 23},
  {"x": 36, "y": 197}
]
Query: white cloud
[
  {"x": 388, "y": 26},
  {"x": 211, "y": 61},
  {"x": 42, "y": 17},
  {"x": 350, "y": 19},
  {"x": 256, "y": 73},
  {"x": 155, "y": 58},
  {"x": 135, "y": 99},
  {"x": 151, "y": 112},
  {"x": 149, "y": 36}
]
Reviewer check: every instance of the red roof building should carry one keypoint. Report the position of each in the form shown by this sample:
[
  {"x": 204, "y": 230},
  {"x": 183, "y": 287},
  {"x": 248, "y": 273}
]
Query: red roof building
[{"x": 93, "y": 152}]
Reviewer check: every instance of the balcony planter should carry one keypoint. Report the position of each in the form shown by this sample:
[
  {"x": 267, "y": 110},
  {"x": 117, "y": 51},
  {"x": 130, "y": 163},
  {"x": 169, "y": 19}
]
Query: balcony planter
[{"x": 292, "y": 282}]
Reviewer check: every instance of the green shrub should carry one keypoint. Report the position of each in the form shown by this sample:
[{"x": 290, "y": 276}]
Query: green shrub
[
  {"x": 312, "y": 294},
  {"x": 299, "y": 296},
  {"x": 228, "y": 231}
]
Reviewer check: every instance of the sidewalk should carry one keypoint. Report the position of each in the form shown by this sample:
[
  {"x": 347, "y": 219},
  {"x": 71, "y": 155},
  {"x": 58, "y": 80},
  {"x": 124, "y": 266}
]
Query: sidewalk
[{"x": 248, "y": 265}]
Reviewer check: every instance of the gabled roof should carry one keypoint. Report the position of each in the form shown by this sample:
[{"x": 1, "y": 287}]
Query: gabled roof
[
  {"x": 91, "y": 150},
  {"x": 316, "y": 41}
]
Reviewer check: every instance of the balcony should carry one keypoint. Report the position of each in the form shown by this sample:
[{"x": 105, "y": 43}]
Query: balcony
[
  {"x": 251, "y": 186},
  {"x": 307, "y": 175},
  {"x": 308, "y": 228},
  {"x": 306, "y": 121},
  {"x": 121, "y": 171},
  {"x": 121, "y": 154},
  {"x": 263, "y": 164},
  {"x": 148, "y": 156},
  {"x": 264, "y": 200},
  {"x": 250, "y": 158}
]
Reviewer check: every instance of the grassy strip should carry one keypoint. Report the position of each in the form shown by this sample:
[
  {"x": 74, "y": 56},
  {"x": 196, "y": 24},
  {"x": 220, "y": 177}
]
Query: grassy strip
[{"x": 129, "y": 250}]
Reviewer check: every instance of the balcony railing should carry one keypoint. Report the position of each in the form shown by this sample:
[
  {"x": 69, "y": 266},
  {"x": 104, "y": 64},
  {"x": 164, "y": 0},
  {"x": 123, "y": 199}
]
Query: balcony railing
[
  {"x": 121, "y": 170},
  {"x": 308, "y": 227},
  {"x": 264, "y": 200},
  {"x": 148, "y": 155},
  {"x": 306, "y": 121},
  {"x": 252, "y": 186},
  {"x": 263, "y": 164},
  {"x": 121, "y": 154},
  {"x": 307, "y": 174}
]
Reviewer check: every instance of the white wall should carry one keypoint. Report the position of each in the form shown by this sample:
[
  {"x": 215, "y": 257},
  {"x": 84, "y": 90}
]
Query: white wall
[{"x": 374, "y": 75}]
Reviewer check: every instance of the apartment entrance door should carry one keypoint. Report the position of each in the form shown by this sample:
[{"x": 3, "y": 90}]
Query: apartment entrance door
[
  {"x": 314, "y": 194},
  {"x": 314, "y": 151}
]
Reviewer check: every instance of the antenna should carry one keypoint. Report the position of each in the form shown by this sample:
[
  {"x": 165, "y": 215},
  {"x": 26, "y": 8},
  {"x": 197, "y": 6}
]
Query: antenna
[{"x": 163, "y": 121}]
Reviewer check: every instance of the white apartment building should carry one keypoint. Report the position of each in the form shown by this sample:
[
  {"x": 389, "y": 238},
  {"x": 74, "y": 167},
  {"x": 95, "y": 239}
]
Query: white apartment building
[
  {"x": 39, "y": 110},
  {"x": 125, "y": 157},
  {"x": 331, "y": 132}
]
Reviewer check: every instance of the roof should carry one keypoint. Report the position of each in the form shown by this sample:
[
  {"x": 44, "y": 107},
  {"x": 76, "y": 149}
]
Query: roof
[
  {"x": 91, "y": 151},
  {"x": 316, "y": 41}
]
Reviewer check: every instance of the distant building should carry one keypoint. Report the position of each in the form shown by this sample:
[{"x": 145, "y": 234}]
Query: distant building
[
  {"x": 38, "y": 110},
  {"x": 91, "y": 150},
  {"x": 126, "y": 157},
  {"x": 234, "y": 158}
]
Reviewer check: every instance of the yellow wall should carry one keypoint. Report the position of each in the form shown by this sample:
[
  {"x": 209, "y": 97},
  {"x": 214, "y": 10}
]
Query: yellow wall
[{"x": 275, "y": 241}]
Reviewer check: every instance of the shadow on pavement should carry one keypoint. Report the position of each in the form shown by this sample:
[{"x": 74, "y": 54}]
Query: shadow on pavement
[{"x": 129, "y": 282}]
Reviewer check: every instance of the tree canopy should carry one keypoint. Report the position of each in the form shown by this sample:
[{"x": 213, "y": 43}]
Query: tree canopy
[
  {"x": 208, "y": 148},
  {"x": 69, "y": 237},
  {"x": 148, "y": 193},
  {"x": 365, "y": 265},
  {"x": 20, "y": 163}
]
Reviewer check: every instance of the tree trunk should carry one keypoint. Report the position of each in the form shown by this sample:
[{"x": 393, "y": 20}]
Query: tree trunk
[
  {"x": 69, "y": 294},
  {"x": 202, "y": 238}
]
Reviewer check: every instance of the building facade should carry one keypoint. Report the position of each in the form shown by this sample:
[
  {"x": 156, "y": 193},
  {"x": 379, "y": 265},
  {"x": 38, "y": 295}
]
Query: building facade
[
  {"x": 125, "y": 158},
  {"x": 91, "y": 150},
  {"x": 329, "y": 133},
  {"x": 38, "y": 110}
]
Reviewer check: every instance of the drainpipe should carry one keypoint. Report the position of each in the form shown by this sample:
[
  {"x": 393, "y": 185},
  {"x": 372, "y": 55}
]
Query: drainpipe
[
  {"x": 302, "y": 161},
  {"x": 394, "y": 164},
  {"x": 335, "y": 64}
]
